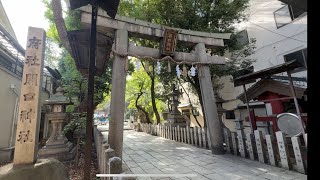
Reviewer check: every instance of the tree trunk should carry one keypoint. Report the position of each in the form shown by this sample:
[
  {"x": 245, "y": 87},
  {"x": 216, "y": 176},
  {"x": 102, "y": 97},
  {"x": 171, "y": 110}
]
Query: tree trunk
[
  {"x": 60, "y": 24},
  {"x": 195, "y": 117},
  {"x": 141, "y": 109},
  {"x": 153, "y": 100},
  {"x": 196, "y": 85}
]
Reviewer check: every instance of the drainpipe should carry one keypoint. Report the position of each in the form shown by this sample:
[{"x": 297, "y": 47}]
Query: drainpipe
[
  {"x": 13, "y": 121},
  {"x": 14, "y": 117},
  {"x": 248, "y": 107}
]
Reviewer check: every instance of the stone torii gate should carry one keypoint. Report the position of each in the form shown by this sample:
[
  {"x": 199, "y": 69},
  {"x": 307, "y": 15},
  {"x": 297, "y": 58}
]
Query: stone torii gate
[{"x": 121, "y": 28}]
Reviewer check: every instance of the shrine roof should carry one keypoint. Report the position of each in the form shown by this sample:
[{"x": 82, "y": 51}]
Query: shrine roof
[
  {"x": 249, "y": 78},
  {"x": 79, "y": 42},
  {"x": 270, "y": 85}
]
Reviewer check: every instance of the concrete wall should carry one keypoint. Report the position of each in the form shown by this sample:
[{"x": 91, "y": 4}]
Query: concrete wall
[
  {"x": 196, "y": 104},
  {"x": 272, "y": 42},
  {"x": 193, "y": 121},
  {"x": 9, "y": 106},
  {"x": 9, "y": 102}
]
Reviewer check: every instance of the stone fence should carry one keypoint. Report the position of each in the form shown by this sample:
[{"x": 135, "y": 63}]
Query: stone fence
[
  {"x": 281, "y": 151},
  {"x": 277, "y": 152},
  {"x": 190, "y": 135},
  {"x": 108, "y": 163}
]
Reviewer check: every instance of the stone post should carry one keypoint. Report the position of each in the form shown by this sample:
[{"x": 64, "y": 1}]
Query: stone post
[
  {"x": 234, "y": 143},
  {"x": 188, "y": 134},
  {"x": 250, "y": 145},
  {"x": 271, "y": 150},
  {"x": 296, "y": 144},
  {"x": 115, "y": 166},
  {"x": 209, "y": 103},
  {"x": 27, "y": 134},
  {"x": 109, "y": 153},
  {"x": 260, "y": 146},
  {"x": 195, "y": 134},
  {"x": 283, "y": 150},
  {"x": 105, "y": 146},
  {"x": 241, "y": 137},
  {"x": 115, "y": 137},
  {"x": 227, "y": 139}
]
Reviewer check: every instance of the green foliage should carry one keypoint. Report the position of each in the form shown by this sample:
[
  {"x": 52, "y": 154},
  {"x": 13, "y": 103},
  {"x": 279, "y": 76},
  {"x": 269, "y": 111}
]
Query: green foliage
[
  {"x": 72, "y": 81},
  {"x": 201, "y": 15},
  {"x": 139, "y": 83},
  {"x": 77, "y": 123},
  {"x": 72, "y": 21},
  {"x": 70, "y": 108},
  {"x": 51, "y": 54},
  {"x": 74, "y": 84}
]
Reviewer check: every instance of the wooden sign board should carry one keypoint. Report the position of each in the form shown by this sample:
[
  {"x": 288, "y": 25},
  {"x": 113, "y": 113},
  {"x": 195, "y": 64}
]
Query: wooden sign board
[{"x": 169, "y": 42}]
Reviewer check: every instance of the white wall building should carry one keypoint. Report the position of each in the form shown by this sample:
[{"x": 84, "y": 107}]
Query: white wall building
[
  {"x": 281, "y": 35},
  {"x": 279, "y": 29}
]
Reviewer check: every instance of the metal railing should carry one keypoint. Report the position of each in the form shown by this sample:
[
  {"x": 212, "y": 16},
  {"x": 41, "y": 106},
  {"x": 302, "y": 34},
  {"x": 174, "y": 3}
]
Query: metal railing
[{"x": 10, "y": 67}]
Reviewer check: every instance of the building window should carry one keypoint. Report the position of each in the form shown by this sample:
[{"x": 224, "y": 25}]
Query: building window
[
  {"x": 286, "y": 14},
  {"x": 242, "y": 38},
  {"x": 230, "y": 115},
  {"x": 300, "y": 56}
]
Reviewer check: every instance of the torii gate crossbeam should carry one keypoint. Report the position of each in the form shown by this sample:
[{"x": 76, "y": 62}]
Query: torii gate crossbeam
[{"x": 121, "y": 28}]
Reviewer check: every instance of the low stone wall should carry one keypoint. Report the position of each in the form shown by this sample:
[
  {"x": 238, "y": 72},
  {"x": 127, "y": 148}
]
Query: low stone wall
[{"x": 107, "y": 161}]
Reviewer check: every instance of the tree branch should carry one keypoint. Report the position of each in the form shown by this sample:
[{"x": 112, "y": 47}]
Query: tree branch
[
  {"x": 60, "y": 24},
  {"x": 145, "y": 69},
  {"x": 141, "y": 108},
  {"x": 195, "y": 117}
]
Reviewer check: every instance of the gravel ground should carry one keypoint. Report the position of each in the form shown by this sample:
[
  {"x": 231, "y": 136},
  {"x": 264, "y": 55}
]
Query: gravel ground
[{"x": 77, "y": 174}]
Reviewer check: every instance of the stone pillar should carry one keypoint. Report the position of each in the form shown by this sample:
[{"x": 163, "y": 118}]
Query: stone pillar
[
  {"x": 56, "y": 136},
  {"x": 115, "y": 137},
  {"x": 115, "y": 166},
  {"x": 27, "y": 134},
  {"x": 283, "y": 150},
  {"x": 209, "y": 103}
]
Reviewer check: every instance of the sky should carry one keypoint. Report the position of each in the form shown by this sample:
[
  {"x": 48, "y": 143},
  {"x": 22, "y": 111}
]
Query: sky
[{"x": 25, "y": 13}]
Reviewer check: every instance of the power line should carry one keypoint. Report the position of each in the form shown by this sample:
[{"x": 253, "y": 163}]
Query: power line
[
  {"x": 261, "y": 7},
  {"x": 276, "y": 32},
  {"x": 277, "y": 41}
]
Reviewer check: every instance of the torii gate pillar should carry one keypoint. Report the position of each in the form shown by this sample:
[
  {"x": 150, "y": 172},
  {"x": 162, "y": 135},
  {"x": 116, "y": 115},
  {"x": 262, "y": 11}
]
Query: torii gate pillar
[
  {"x": 115, "y": 136},
  {"x": 209, "y": 103}
]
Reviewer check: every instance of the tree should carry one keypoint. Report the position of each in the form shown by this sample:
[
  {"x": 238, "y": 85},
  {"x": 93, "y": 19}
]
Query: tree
[
  {"x": 138, "y": 96},
  {"x": 75, "y": 85},
  {"x": 152, "y": 76}
]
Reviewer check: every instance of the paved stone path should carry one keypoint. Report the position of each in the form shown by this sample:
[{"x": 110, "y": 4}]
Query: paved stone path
[{"x": 147, "y": 154}]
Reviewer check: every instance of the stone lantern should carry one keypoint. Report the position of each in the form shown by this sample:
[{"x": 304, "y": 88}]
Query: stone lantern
[
  {"x": 219, "y": 102},
  {"x": 175, "y": 100},
  {"x": 220, "y": 109},
  {"x": 57, "y": 146},
  {"x": 175, "y": 117}
]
